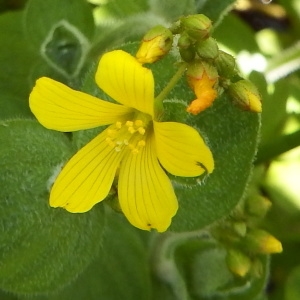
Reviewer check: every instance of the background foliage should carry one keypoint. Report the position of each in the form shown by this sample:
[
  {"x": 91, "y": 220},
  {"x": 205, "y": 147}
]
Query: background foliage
[{"x": 49, "y": 254}]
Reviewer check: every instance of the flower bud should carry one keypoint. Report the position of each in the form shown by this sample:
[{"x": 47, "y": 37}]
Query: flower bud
[
  {"x": 186, "y": 49},
  {"x": 225, "y": 64},
  {"x": 245, "y": 95},
  {"x": 240, "y": 228},
  {"x": 260, "y": 241},
  {"x": 156, "y": 43},
  {"x": 258, "y": 205},
  {"x": 197, "y": 27},
  {"x": 238, "y": 263},
  {"x": 207, "y": 48},
  {"x": 202, "y": 78}
]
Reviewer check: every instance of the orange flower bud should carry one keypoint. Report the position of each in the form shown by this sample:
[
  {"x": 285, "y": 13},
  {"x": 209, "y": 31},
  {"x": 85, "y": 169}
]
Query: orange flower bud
[
  {"x": 156, "y": 43},
  {"x": 202, "y": 78}
]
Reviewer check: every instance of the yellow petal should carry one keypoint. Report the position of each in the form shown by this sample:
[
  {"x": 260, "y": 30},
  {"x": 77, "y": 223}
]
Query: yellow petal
[
  {"x": 59, "y": 107},
  {"x": 126, "y": 81},
  {"x": 87, "y": 178},
  {"x": 181, "y": 150},
  {"x": 146, "y": 194}
]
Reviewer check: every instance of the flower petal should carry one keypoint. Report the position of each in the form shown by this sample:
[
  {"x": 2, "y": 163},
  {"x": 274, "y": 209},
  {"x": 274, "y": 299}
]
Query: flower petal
[
  {"x": 125, "y": 80},
  {"x": 146, "y": 194},
  {"x": 59, "y": 107},
  {"x": 181, "y": 150},
  {"x": 87, "y": 178}
]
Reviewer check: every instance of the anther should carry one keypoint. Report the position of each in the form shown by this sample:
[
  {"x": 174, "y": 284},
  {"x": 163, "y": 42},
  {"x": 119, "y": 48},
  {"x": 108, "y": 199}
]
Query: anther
[
  {"x": 138, "y": 123},
  {"x": 129, "y": 124},
  {"x": 131, "y": 130},
  {"x": 110, "y": 142},
  {"x": 134, "y": 151},
  {"x": 141, "y": 130},
  {"x": 141, "y": 143},
  {"x": 118, "y": 124}
]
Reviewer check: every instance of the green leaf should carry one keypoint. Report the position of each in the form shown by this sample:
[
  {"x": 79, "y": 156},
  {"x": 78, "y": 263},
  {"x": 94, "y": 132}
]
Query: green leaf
[
  {"x": 171, "y": 10},
  {"x": 215, "y": 11},
  {"x": 15, "y": 61},
  {"x": 121, "y": 271},
  {"x": 41, "y": 248},
  {"x": 40, "y": 17},
  {"x": 121, "y": 9}
]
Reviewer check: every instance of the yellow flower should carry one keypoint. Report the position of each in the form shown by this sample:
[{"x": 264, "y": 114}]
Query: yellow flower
[{"x": 135, "y": 144}]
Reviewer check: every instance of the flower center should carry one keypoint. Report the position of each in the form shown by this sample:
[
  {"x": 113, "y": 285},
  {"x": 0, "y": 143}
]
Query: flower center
[{"x": 129, "y": 134}]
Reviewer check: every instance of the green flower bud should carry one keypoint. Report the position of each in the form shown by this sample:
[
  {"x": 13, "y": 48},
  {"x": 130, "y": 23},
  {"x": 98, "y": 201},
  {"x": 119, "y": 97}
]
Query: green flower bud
[
  {"x": 207, "y": 48},
  {"x": 238, "y": 263},
  {"x": 188, "y": 54},
  {"x": 156, "y": 43},
  {"x": 197, "y": 27},
  {"x": 186, "y": 48},
  {"x": 258, "y": 205},
  {"x": 184, "y": 41},
  {"x": 240, "y": 228},
  {"x": 225, "y": 64},
  {"x": 260, "y": 241},
  {"x": 245, "y": 95}
]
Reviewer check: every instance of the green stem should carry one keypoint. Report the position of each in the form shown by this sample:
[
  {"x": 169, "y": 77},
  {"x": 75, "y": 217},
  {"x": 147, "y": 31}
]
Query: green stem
[
  {"x": 163, "y": 94},
  {"x": 278, "y": 146}
]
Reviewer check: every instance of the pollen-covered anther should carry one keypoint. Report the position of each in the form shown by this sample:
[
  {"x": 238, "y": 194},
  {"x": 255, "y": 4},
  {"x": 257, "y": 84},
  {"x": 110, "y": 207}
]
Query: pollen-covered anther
[
  {"x": 129, "y": 124},
  {"x": 118, "y": 125},
  {"x": 131, "y": 130},
  {"x": 138, "y": 123},
  {"x": 141, "y": 130},
  {"x": 141, "y": 143},
  {"x": 110, "y": 142}
]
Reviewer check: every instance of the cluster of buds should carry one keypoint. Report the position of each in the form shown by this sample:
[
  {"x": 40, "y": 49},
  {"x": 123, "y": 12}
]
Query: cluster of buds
[
  {"x": 245, "y": 242},
  {"x": 209, "y": 70}
]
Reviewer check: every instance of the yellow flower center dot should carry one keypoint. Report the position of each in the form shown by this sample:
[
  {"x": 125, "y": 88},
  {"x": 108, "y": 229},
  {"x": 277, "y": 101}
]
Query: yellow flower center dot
[{"x": 129, "y": 134}]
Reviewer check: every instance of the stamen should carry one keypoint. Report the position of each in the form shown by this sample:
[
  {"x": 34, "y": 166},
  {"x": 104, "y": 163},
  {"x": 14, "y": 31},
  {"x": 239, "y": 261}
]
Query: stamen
[
  {"x": 131, "y": 130},
  {"x": 128, "y": 134},
  {"x": 110, "y": 142},
  {"x": 119, "y": 125},
  {"x": 138, "y": 123},
  {"x": 134, "y": 151},
  {"x": 129, "y": 123},
  {"x": 111, "y": 132},
  {"x": 141, "y": 143},
  {"x": 141, "y": 130}
]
